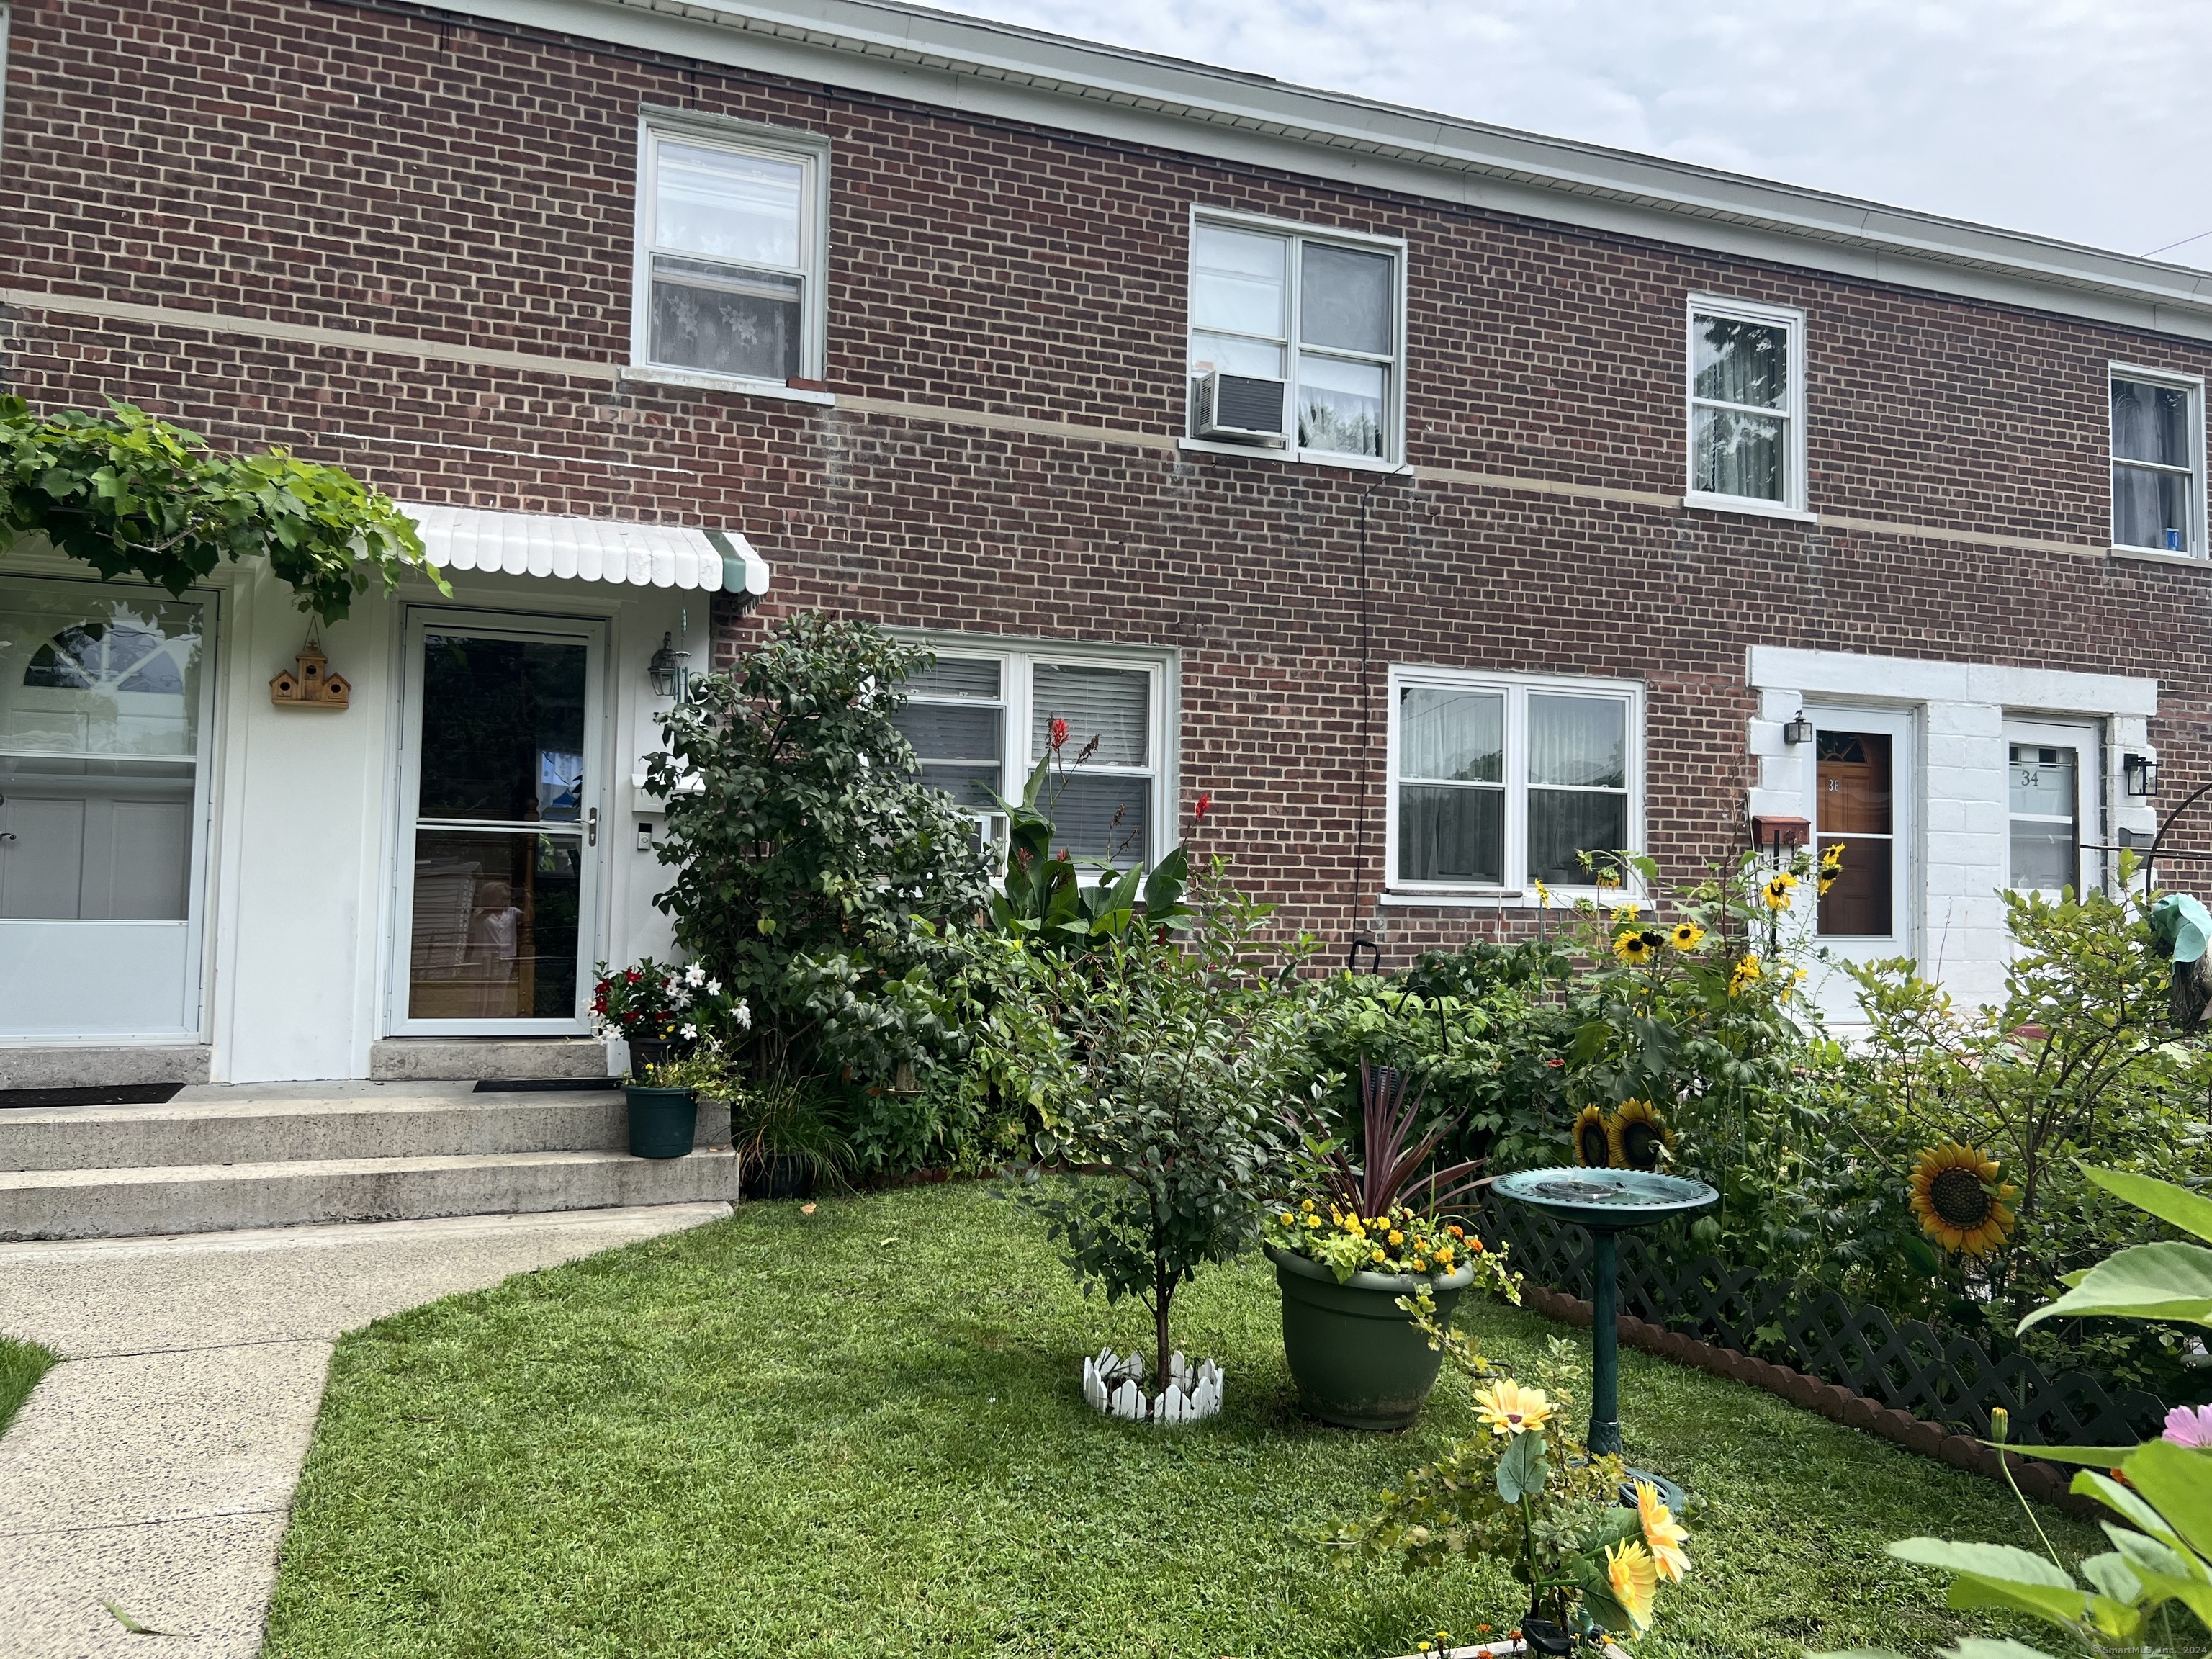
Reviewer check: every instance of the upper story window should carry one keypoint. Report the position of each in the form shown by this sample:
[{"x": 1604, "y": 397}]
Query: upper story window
[
  {"x": 2158, "y": 460},
  {"x": 1297, "y": 339},
  {"x": 983, "y": 716},
  {"x": 731, "y": 239},
  {"x": 1499, "y": 781},
  {"x": 1746, "y": 406}
]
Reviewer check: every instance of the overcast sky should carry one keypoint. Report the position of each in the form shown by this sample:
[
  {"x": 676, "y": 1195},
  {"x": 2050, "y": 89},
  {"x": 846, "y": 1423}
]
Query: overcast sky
[{"x": 2086, "y": 119}]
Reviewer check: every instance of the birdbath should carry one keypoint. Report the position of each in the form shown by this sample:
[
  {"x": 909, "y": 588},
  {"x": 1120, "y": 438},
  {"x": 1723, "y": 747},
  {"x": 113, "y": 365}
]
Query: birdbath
[{"x": 1609, "y": 1202}]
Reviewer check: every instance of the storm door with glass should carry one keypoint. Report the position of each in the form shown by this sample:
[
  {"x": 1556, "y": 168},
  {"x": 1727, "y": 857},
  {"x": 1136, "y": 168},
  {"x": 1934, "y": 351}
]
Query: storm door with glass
[
  {"x": 1862, "y": 791},
  {"x": 2050, "y": 806},
  {"x": 500, "y": 836},
  {"x": 105, "y": 714}
]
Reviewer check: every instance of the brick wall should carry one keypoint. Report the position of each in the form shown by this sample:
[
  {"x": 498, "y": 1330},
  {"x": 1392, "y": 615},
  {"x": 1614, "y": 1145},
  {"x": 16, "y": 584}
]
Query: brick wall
[{"x": 305, "y": 164}]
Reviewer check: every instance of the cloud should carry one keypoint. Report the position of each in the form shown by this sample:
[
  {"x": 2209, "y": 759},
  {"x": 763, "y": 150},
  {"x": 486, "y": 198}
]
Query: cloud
[{"x": 2085, "y": 121}]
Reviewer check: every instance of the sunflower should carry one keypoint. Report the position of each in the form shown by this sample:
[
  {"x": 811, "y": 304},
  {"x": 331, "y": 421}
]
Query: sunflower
[
  {"x": 1832, "y": 865},
  {"x": 1636, "y": 946},
  {"x": 1686, "y": 936},
  {"x": 1593, "y": 1140},
  {"x": 1637, "y": 1134},
  {"x": 1958, "y": 1199},
  {"x": 1742, "y": 975},
  {"x": 1662, "y": 1535},
  {"x": 1509, "y": 1409},
  {"x": 1633, "y": 1577},
  {"x": 1776, "y": 892}
]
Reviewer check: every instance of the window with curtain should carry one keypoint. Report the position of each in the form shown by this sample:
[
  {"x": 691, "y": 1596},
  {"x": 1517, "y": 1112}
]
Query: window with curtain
[
  {"x": 1746, "y": 404},
  {"x": 980, "y": 724},
  {"x": 1498, "y": 782},
  {"x": 2158, "y": 463},
  {"x": 727, "y": 236},
  {"x": 1321, "y": 315}
]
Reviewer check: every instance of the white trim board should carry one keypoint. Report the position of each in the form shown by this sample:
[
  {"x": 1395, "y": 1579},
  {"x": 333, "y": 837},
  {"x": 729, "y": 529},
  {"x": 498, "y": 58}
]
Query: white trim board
[
  {"x": 1916, "y": 680},
  {"x": 992, "y": 69}
]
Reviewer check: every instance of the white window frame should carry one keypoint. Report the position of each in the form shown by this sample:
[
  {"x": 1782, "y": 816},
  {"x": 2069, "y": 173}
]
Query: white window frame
[
  {"x": 1517, "y": 689},
  {"x": 1792, "y": 320},
  {"x": 2087, "y": 742},
  {"x": 1393, "y": 458},
  {"x": 2194, "y": 385},
  {"x": 1016, "y": 660},
  {"x": 808, "y": 150}
]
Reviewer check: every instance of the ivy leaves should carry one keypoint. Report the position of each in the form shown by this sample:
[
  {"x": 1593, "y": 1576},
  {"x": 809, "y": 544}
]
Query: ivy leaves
[{"x": 131, "y": 495}]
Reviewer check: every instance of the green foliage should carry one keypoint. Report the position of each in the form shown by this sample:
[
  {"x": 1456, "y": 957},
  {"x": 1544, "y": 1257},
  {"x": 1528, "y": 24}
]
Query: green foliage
[
  {"x": 21, "y": 1365},
  {"x": 1160, "y": 1067},
  {"x": 132, "y": 496},
  {"x": 1045, "y": 897}
]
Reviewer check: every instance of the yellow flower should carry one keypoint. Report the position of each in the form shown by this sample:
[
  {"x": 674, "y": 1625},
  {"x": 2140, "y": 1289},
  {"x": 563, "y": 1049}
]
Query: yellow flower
[
  {"x": 1958, "y": 1200},
  {"x": 1283, "y": 1219},
  {"x": 1307, "y": 1206},
  {"x": 1776, "y": 891},
  {"x": 1624, "y": 914},
  {"x": 1593, "y": 1140},
  {"x": 1313, "y": 1221},
  {"x": 1686, "y": 936},
  {"x": 1663, "y": 1535},
  {"x": 1543, "y": 893},
  {"x": 1634, "y": 946},
  {"x": 1637, "y": 1134},
  {"x": 1379, "y": 1256},
  {"x": 1608, "y": 876},
  {"x": 1510, "y": 1409},
  {"x": 1743, "y": 974},
  {"x": 1633, "y": 1577},
  {"x": 1397, "y": 1237}
]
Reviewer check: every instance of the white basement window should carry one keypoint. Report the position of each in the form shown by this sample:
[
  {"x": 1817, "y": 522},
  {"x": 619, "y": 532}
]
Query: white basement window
[
  {"x": 1497, "y": 781},
  {"x": 2158, "y": 461},
  {"x": 982, "y": 717},
  {"x": 732, "y": 242},
  {"x": 1297, "y": 339},
  {"x": 1746, "y": 406}
]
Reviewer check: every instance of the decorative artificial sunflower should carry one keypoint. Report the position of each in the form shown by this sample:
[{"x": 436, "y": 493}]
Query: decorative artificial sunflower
[
  {"x": 1663, "y": 1535},
  {"x": 1509, "y": 1409},
  {"x": 1686, "y": 936},
  {"x": 1832, "y": 865},
  {"x": 1637, "y": 1135},
  {"x": 1636, "y": 946},
  {"x": 1593, "y": 1140},
  {"x": 1776, "y": 891},
  {"x": 1958, "y": 1200},
  {"x": 1633, "y": 1578}
]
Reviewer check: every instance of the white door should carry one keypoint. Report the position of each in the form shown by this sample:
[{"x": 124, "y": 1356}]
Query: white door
[
  {"x": 502, "y": 768},
  {"x": 2050, "y": 806},
  {"x": 106, "y": 708},
  {"x": 1861, "y": 772}
]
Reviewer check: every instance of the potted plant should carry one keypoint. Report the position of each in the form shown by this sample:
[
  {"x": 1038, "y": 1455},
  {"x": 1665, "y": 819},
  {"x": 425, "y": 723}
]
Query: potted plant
[
  {"x": 785, "y": 1136},
  {"x": 650, "y": 1006},
  {"x": 1365, "y": 1239},
  {"x": 663, "y": 1107}
]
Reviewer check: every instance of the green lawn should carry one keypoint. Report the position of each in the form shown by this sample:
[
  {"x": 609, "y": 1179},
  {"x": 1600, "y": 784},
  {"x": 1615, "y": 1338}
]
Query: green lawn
[
  {"x": 859, "y": 1432},
  {"x": 21, "y": 1365}
]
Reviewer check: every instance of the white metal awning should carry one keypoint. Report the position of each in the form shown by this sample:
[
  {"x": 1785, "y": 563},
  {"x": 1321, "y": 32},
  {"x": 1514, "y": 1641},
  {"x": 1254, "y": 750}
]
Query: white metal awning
[{"x": 590, "y": 550}]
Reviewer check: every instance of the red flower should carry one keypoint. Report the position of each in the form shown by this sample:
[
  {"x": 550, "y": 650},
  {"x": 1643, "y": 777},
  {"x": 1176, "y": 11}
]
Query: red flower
[
  {"x": 1205, "y": 802},
  {"x": 633, "y": 976},
  {"x": 1059, "y": 732},
  {"x": 1555, "y": 1062}
]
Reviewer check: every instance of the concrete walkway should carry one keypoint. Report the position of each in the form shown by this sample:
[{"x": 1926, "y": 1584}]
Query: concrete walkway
[{"x": 153, "y": 1468}]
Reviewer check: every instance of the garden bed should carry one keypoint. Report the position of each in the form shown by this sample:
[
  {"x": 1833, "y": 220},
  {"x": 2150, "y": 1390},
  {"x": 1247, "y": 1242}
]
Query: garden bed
[{"x": 859, "y": 1431}]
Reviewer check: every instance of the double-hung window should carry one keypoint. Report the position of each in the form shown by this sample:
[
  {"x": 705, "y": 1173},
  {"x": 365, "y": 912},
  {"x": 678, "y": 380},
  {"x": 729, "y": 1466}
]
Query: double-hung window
[
  {"x": 1497, "y": 781},
  {"x": 731, "y": 239},
  {"x": 1322, "y": 313},
  {"x": 2158, "y": 461},
  {"x": 1746, "y": 406},
  {"x": 985, "y": 713}
]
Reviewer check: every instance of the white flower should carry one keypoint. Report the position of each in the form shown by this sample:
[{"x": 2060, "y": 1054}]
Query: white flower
[
  {"x": 743, "y": 1016},
  {"x": 714, "y": 987},
  {"x": 694, "y": 974},
  {"x": 863, "y": 759},
  {"x": 691, "y": 1033}
]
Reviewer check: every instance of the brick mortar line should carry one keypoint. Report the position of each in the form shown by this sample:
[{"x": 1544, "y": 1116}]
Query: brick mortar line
[
  {"x": 425, "y": 351},
  {"x": 2037, "y": 1479}
]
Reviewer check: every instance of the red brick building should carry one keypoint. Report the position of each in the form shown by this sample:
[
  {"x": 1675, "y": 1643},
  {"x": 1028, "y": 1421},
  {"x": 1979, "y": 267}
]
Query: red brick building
[{"x": 1443, "y": 500}]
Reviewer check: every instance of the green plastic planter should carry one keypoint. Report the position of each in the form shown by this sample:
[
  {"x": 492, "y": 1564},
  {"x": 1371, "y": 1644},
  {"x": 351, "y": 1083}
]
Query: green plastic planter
[
  {"x": 662, "y": 1121},
  {"x": 1358, "y": 1358}
]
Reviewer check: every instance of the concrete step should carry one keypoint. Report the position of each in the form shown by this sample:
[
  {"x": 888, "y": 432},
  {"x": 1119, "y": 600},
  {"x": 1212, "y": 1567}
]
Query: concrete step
[
  {"x": 125, "y": 1203},
  {"x": 272, "y": 1124}
]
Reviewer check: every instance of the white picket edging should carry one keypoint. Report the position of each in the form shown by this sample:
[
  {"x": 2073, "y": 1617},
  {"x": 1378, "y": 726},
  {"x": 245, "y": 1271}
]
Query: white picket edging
[{"x": 1110, "y": 1383}]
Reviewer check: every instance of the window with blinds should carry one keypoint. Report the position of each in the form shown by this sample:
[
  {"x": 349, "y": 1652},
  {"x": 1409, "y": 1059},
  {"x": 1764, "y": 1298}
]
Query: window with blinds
[
  {"x": 1497, "y": 782},
  {"x": 979, "y": 724}
]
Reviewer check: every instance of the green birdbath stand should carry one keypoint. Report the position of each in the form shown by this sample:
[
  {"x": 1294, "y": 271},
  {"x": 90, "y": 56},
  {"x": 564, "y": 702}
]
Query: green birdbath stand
[{"x": 1609, "y": 1202}]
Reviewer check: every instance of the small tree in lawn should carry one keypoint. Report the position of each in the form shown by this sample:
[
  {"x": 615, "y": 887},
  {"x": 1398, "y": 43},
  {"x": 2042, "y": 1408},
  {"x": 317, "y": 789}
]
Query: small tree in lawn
[{"x": 1161, "y": 1068}]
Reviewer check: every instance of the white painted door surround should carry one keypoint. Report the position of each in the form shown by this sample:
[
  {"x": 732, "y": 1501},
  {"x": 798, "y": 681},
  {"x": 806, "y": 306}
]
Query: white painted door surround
[{"x": 1956, "y": 807}]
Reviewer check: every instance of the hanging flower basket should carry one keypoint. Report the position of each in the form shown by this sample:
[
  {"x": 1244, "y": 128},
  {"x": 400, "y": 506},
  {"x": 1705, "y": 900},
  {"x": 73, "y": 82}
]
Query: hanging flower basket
[{"x": 1113, "y": 1384}]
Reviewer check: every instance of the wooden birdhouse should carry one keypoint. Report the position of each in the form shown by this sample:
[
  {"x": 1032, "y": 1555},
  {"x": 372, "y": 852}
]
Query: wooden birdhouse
[{"x": 310, "y": 684}]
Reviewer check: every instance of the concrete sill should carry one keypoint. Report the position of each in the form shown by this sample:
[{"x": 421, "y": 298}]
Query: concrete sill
[{"x": 2157, "y": 556}]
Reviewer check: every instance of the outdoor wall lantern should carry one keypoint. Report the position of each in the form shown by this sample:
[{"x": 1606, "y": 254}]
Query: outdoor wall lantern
[
  {"x": 2140, "y": 772},
  {"x": 1797, "y": 731},
  {"x": 665, "y": 671}
]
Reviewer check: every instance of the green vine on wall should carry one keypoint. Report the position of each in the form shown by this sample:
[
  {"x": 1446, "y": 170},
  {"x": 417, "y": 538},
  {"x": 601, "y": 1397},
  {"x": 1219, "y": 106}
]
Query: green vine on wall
[{"x": 131, "y": 495}]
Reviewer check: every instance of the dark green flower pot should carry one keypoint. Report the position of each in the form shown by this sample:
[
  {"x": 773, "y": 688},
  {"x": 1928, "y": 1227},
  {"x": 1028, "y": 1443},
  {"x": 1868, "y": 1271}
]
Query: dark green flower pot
[
  {"x": 1358, "y": 1359},
  {"x": 662, "y": 1121}
]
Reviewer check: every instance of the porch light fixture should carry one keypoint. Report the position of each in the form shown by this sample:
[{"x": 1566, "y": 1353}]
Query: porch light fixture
[
  {"x": 2140, "y": 776},
  {"x": 1797, "y": 731},
  {"x": 665, "y": 671}
]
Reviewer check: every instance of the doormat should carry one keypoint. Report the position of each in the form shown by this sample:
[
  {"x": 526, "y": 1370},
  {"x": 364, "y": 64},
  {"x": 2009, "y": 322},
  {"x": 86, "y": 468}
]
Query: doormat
[
  {"x": 531, "y": 1085},
  {"x": 114, "y": 1094}
]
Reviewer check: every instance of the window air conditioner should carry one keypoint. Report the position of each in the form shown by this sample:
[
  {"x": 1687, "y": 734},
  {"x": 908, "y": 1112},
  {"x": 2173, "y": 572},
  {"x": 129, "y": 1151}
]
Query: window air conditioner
[{"x": 1241, "y": 408}]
